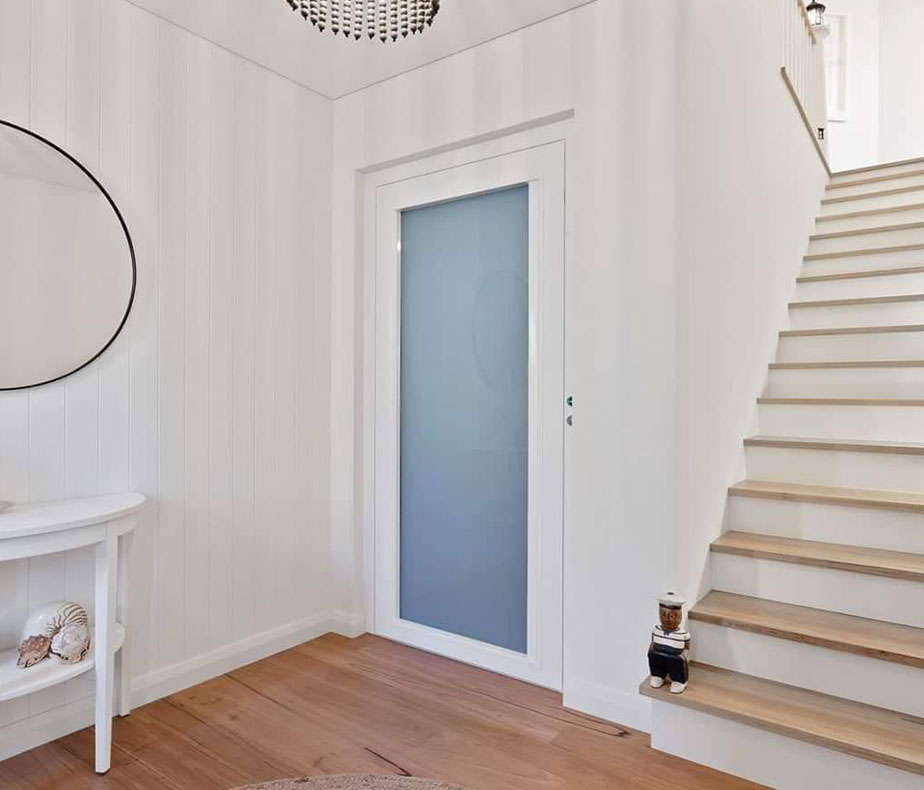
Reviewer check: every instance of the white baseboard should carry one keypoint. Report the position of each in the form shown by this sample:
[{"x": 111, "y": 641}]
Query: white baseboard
[
  {"x": 49, "y": 726},
  {"x": 347, "y": 624},
  {"x": 28, "y": 733},
  {"x": 629, "y": 709},
  {"x": 168, "y": 680}
]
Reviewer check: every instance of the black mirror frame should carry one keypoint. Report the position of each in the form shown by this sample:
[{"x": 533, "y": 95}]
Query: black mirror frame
[{"x": 131, "y": 251}]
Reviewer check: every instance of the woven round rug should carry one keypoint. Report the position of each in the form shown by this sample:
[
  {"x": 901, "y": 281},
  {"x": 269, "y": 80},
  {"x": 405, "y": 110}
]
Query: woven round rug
[{"x": 355, "y": 782}]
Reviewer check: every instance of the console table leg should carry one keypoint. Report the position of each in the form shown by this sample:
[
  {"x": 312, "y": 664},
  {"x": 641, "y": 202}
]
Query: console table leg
[
  {"x": 106, "y": 575},
  {"x": 123, "y": 657}
]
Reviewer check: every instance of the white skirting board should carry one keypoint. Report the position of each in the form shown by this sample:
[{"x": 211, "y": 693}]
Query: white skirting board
[
  {"x": 765, "y": 757},
  {"x": 35, "y": 731},
  {"x": 627, "y": 709}
]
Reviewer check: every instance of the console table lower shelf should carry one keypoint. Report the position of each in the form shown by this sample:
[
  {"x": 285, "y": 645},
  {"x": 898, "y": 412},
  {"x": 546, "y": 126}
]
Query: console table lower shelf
[{"x": 16, "y": 682}]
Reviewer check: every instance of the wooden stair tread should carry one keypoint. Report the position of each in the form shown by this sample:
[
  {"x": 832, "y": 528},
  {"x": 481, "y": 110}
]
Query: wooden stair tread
[
  {"x": 839, "y": 445},
  {"x": 900, "y": 644},
  {"x": 831, "y": 495},
  {"x": 861, "y": 300},
  {"x": 895, "y": 272},
  {"x": 840, "y": 402},
  {"x": 870, "y": 363},
  {"x": 855, "y": 559},
  {"x": 839, "y": 234},
  {"x": 879, "y": 166},
  {"x": 824, "y": 256},
  {"x": 882, "y": 736},
  {"x": 876, "y": 194},
  {"x": 870, "y": 212},
  {"x": 853, "y": 330},
  {"x": 875, "y": 179}
]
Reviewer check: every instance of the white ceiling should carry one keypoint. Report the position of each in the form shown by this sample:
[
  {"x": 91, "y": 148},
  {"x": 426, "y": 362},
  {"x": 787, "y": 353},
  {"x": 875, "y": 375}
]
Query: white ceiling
[{"x": 271, "y": 34}]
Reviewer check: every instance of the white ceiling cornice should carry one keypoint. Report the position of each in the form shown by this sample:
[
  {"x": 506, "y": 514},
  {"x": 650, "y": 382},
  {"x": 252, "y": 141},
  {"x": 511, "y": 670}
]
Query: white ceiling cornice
[{"x": 270, "y": 34}]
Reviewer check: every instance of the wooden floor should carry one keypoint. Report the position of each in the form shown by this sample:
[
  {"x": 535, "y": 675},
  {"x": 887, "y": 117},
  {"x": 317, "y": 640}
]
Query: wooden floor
[{"x": 361, "y": 706}]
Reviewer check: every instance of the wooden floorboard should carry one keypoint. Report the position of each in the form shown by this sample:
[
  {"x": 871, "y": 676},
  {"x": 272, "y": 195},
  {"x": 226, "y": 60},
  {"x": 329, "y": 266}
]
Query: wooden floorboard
[{"x": 366, "y": 705}]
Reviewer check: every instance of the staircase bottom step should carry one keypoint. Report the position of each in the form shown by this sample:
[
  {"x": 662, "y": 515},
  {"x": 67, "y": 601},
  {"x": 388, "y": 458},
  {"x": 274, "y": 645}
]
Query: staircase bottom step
[
  {"x": 891, "y": 739},
  {"x": 765, "y": 758}
]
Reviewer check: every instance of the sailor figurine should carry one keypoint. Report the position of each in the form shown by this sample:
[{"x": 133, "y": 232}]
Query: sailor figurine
[{"x": 670, "y": 645}]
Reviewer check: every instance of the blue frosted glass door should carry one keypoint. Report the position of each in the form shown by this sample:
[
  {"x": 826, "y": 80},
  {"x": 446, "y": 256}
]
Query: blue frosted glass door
[{"x": 464, "y": 416}]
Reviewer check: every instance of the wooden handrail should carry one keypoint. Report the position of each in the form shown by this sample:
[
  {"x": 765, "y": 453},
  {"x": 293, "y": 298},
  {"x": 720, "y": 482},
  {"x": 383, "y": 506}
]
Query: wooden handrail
[{"x": 805, "y": 119}]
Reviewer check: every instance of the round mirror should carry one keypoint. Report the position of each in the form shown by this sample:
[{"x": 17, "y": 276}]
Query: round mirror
[{"x": 67, "y": 266}]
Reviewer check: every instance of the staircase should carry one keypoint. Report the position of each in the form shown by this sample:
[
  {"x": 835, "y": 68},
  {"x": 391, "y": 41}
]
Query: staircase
[{"x": 809, "y": 650}]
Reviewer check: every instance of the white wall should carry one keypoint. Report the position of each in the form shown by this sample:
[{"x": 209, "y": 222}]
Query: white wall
[
  {"x": 213, "y": 402},
  {"x": 901, "y": 60},
  {"x": 615, "y": 70},
  {"x": 691, "y": 188},
  {"x": 749, "y": 186},
  {"x": 854, "y": 142}
]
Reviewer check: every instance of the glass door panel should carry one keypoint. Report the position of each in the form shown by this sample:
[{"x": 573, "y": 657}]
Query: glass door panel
[{"x": 464, "y": 417}]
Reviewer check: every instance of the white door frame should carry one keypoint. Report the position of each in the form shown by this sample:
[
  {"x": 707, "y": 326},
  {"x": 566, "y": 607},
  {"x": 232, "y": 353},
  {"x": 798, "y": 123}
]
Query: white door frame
[{"x": 535, "y": 158}]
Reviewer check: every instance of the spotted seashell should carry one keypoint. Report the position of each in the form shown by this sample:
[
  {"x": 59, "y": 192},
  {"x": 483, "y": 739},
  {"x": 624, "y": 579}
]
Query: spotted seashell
[
  {"x": 32, "y": 650},
  {"x": 48, "y": 622},
  {"x": 71, "y": 644}
]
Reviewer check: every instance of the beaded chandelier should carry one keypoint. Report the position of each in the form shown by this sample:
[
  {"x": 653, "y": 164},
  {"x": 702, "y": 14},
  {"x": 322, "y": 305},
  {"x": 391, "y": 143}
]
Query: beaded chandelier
[{"x": 383, "y": 19}]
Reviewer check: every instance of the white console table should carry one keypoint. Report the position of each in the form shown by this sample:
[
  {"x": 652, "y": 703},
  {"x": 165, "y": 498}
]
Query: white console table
[{"x": 105, "y": 522}]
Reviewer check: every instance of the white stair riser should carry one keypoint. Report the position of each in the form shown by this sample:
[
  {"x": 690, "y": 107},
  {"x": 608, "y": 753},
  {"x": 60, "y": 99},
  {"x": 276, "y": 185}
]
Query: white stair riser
[
  {"x": 889, "y": 471},
  {"x": 878, "y": 172},
  {"x": 764, "y": 757},
  {"x": 867, "y": 241},
  {"x": 862, "y": 258},
  {"x": 847, "y": 383},
  {"x": 876, "y": 220},
  {"x": 912, "y": 179},
  {"x": 876, "y": 314},
  {"x": 858, "y": 678},
  {"x": 859, "y": 594},
  {"x": 880, "y": 423},
  {"x": 878, "y": 346},
  {"x": 867, "y": 203},
  {"x": 854, "y": 526},
  {"x": 859, "y": 287}
]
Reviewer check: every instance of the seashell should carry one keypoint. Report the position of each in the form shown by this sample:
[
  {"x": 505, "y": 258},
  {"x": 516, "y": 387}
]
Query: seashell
[
  {"x": 33, "y": 650},
  {"x": 47, "y": 623},
  {"x": 72, "y": 643}
]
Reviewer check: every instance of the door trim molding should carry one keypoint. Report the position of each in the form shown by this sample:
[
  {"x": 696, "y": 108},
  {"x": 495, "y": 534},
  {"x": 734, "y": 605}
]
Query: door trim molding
[{"x": 521, "y": 141}]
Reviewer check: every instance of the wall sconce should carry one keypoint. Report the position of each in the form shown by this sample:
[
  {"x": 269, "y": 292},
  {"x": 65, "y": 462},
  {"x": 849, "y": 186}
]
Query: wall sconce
[{"x": 816, "y": 15}]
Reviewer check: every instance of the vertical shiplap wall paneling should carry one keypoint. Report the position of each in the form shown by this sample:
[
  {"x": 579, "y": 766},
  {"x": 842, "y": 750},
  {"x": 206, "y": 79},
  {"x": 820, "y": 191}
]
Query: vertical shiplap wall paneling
[
  {"x": 213, "y": 400},
  {"x": 171, "y": 528},
  {"x": 221, "y": 281},
  {"x": 242, "y": 341},
  {"x": 198, "y": 216},
  {"x": 304, "y": 219},
  {"x": 114, "y": 172},
  {"x": 81, "y": 391},
  {"x": 144, "y": 414},
  {"x": 287, "y": 143},
  {"x": 313, "y": 298},
  {"x": 264, "y": 357},
  {"x": 15, "y": 78},
  {"x": 48, "y": 117},
  {"x": 318, "y": 471}
]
